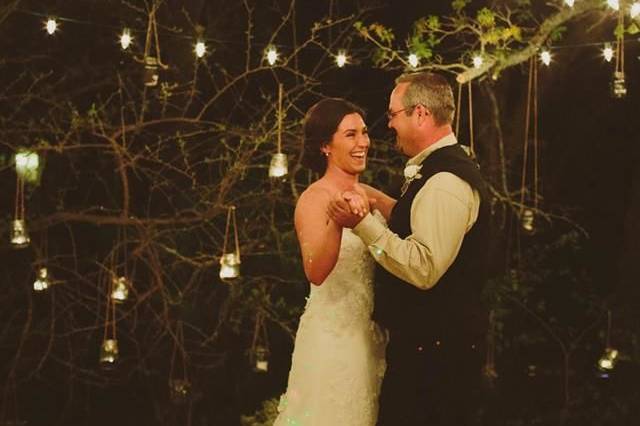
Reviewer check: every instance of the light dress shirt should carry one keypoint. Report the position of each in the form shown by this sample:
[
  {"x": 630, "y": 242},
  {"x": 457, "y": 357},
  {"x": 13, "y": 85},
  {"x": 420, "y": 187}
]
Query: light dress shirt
[{"x": 442, "y": 212}]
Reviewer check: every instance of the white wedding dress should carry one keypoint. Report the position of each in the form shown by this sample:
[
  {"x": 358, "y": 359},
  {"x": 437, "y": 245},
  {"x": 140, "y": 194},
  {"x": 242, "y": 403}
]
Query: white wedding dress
[{"x": 338, "y": 359}]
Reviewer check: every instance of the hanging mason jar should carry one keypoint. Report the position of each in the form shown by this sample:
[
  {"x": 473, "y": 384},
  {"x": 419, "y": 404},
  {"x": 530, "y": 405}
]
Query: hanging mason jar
[
  {"x": 619, "y": 86},
  {"x": 19, "y": 234},
  {"x": 42, "y": 281},
  {"x": 179, "y": 390},
  {"x": 279, "y": 166},
  {"x": 261, "y": 359},
  {"x": 151, "y": 71},
  {"x": 120, "y": 289},
  {"x": 528, "y": 221},
  {"x": 229, "y": 266},
  {"x": 109, "y": 353},
  {"x": 608, "y": 359}
]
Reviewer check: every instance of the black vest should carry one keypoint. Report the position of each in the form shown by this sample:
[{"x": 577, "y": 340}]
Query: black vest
[{"x": 451, "y": 310}]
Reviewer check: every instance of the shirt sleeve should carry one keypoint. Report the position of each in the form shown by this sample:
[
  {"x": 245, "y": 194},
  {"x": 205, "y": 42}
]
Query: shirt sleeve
[{"x": 442, "y": 212}]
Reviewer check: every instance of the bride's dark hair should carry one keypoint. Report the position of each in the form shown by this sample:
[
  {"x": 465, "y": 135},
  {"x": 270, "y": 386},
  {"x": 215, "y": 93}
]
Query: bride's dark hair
[{"x": 320, "y": 123}]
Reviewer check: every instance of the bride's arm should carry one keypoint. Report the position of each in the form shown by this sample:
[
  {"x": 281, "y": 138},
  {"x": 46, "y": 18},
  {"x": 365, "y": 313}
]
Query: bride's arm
[
  {"x": 383, "y": 202},
  {"x": 319, "y": 237}
]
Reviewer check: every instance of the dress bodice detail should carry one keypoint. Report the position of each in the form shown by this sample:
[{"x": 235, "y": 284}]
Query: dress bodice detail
[{"x": 345, "y": 298}]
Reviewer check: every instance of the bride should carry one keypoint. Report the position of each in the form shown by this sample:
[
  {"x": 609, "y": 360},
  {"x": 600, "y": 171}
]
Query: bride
[{"x": 338, "y": 360}]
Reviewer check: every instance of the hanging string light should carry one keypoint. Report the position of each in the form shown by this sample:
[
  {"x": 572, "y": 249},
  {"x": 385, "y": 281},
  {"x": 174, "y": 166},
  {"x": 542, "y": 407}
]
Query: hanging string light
[
  {"x": 471, "y": 147},
  {"x": 259, "y": 355},
  {"x": 619, "y": 87},
  {"x": 341, "y": 58},
  {"x": 271, "y": 55},
  {"x": 125, "y": 39},
  {"x": 477, "y": 61},
  {"x": 179, "y": 385},
  {"x": 607, "y": 52},
  {"x": 279, "y": 166},
  {"x": 614, "y": 4},
  {"x": 634, "y": 11},
  {"x": 200, "y": 49},
  {"x": 414, "y": 61},
  {"x": 51, "y": 26},
  {"x": 230, "y": 261},
  {"x": 569, "y": 3},
  {"x": 545, "y": 57}
]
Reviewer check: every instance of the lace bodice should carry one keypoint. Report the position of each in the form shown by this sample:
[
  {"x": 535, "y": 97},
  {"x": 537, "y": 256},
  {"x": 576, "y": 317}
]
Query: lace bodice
[{"x": 345, "y": 298}]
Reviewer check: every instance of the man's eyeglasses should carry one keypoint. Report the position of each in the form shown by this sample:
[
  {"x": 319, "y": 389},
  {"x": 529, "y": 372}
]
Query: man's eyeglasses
[{"x": 391, "y": 114}]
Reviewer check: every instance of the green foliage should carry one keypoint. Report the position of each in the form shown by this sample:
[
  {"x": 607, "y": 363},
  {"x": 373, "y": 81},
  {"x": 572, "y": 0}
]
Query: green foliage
[
  {"x": 486, "y": 18},
  {"x": 458, "y": 5},
  {"x": 265, "y": 416},
  {"x": 633, "y": 29}
]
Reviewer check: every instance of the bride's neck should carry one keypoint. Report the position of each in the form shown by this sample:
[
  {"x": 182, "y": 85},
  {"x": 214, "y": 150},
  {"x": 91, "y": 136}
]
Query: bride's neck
[{"x": 339, "y": 178}]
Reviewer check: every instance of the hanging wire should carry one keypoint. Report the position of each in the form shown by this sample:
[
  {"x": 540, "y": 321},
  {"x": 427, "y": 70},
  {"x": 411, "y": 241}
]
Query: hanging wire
[
  {"x": 280, "y": 117},
  {"x": 231, "y": 221},
  {"x": 523, "y": 181},
  {"x": 470, "y": 100}
]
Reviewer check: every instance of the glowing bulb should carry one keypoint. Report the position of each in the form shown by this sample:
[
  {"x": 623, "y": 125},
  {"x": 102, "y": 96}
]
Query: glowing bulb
[
  {"x": 614, "y": 4},
  {"x": 51, "y": 26},
  {"x": 200, "y": 49},
  {"x": 477, "y": 61},
  {"x": 635, "y": 9},
  {"x": 125, "y": 39},
  {"x": 569, "y": 2},
  {"x": 413, "y": 60},
  {"x": 607, "y": 52},
  {"x": 545, "y": 57},
  {"x": 272, "y": 55},
  {"x": 341, "y": 59}
]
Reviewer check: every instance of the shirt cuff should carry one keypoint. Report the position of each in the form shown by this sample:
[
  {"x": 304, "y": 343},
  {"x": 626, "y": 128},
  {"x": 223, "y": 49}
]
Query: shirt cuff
[{"x": 369, "y": 229}]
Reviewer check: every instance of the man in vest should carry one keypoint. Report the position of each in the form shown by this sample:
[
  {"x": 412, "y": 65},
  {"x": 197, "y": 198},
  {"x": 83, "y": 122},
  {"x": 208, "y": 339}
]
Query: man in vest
[{"x": 431, "y": 261}]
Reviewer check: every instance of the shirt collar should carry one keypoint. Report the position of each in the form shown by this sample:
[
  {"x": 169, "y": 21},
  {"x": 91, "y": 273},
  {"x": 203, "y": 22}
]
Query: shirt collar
[{"x": 448, "y": 140}]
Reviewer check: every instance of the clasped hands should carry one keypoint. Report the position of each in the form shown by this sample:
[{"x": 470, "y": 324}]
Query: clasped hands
[{"x": 349, "y": 207}]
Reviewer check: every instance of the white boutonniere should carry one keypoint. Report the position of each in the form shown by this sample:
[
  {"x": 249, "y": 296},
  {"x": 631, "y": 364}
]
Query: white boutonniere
[{"x": 412, "y": 172}]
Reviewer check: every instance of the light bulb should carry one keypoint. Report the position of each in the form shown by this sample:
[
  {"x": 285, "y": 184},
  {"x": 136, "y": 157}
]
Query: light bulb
[
  {"x": 607, "y": 53},
  {"x": 413, "y": 60},
  {"x": 272, "y": 55},
  {"x": 569, "y": 2},
  {"x": 341, "y": 59},
  {"x": 477, "y": 61},
  {"x": 614, "y": 4},
  {"x": 635, "y": 9},
  {"x": 51, "y": 25},
  {"x": 545, "y": 57},
  {"x": 200, "y": 49},
  {"x": 125, "y": 39}
]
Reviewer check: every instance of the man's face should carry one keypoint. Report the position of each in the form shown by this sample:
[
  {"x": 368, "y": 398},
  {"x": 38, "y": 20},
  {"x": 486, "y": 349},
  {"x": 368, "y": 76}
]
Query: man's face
[{"x": 402, "y": 124}]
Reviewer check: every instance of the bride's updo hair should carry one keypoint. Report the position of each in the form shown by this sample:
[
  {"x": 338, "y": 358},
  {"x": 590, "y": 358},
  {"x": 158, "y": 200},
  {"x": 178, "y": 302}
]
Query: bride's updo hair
[{"x": 320, "y": 124}]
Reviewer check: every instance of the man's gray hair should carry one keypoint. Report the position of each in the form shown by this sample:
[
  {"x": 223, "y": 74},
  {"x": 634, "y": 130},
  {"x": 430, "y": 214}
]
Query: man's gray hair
[{"x": 431, "y": 90}]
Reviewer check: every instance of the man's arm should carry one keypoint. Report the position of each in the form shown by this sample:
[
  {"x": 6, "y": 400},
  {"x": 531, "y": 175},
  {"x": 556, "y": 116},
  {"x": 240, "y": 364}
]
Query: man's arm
[{"x": 442, "y": 212}]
